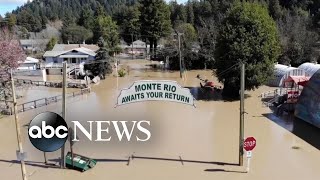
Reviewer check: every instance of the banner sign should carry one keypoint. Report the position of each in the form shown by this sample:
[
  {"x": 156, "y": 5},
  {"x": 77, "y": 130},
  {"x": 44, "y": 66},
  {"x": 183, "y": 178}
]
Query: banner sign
[
  {"x": 155, "y": 90},
  {"x": 293, "y": 96}
]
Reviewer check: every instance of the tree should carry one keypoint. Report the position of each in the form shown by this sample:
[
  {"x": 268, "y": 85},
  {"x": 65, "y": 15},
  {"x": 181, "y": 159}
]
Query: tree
[
  {"x": 75, "y": 34},
  {"x": 86, "y": 18},
  {"x": 11, "y": 53},
  {"x": 247, "y": 35},
  {"x": 189, "y": 33},
  {"x": 297, "y": 38},
  {"x": 275, "y": 9},
  {"x": 12, "y": 20},
  {"x": 107, "y": 29},
  {"x": 155, "y": 21},
  {"x": 128, "y": 20},
  {"x": 190, "y": 12},
  {"x": 53, "y": 41},
  {"x": 102, "y": 65},
  {"x": 178, "y": 13}
]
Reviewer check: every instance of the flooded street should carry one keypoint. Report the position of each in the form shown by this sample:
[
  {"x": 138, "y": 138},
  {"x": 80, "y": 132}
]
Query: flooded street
[{"x": 186, "y": 142}]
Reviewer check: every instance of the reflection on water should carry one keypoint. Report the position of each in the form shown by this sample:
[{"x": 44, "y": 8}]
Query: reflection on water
[
  {"x": 300, "y": 128},
  {"x": 200, "y": 93}
]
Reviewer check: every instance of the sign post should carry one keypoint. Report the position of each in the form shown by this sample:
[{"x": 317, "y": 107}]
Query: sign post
[{"x": 249, "y": 144}]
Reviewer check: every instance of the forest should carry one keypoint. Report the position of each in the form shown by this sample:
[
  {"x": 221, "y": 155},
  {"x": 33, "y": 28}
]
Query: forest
[
  {"x": 297, "y": 22},
  {"x": 205, "y": 34}
]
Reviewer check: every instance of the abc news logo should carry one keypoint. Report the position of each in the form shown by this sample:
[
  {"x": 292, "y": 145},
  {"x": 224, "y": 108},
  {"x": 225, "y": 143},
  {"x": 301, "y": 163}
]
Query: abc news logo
[{"x": 48, "y": 131}]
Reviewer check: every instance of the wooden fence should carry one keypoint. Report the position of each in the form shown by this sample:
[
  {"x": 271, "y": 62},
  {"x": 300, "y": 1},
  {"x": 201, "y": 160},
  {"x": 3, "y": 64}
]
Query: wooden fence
[
  {"x": 45, "y": 101},
  {"x": 52, "y": 84}
]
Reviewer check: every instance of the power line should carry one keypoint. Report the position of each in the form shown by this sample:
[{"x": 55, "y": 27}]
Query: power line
[{"x": 228, "y": 69}]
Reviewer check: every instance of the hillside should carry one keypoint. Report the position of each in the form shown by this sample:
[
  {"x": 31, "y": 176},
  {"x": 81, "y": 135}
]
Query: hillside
[{"x": 36, "y": 14}]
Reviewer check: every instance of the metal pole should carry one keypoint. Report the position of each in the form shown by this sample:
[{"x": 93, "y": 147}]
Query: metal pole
[
  {"x": 241, "y": 137},
  {"x": 45, "y": 158},
  {"x": 64, "y": 106},
  {"x": 71, "y": 148},
  {"x": 132, "y": 45},
  {"x": 23, "y": 165},
  {"x": 180, "y": 60}
]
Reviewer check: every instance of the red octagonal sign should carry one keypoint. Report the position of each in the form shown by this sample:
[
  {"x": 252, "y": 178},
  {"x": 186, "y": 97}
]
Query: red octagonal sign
[{"x": 249, "y": 144}]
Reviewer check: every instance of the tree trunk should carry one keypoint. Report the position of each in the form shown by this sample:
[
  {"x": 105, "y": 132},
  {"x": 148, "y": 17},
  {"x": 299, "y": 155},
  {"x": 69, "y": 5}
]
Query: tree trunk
[{"x": 155, "y": 46}]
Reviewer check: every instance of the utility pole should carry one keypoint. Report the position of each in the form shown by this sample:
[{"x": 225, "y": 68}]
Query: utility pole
[
  {"x": 132, "y": 45},
  {"x": 180, "y": 58},
  {"x": 241, "y": 137},
  {"x": 64, "y": 106},
  {"x": 21, "y": 153}
]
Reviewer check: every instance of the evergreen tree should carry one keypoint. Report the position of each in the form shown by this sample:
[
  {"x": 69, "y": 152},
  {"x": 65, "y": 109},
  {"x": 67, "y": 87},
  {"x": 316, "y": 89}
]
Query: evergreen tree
[
  {"x": 86, "y": 18},
  {"x": 102, "y": 65},
  {"x": 129, "y": 23},
  {"x": 275, "y": 9},
  {"x": 155, "y": 21},
  {"x": 75, "y": 34},
  {"x": 190, "y": 12},
  {"x": 53, "y": 41}
]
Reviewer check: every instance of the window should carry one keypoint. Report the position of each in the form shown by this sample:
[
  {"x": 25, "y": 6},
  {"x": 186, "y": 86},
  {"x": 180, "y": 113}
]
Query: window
[{"x": 74, "y": 60}]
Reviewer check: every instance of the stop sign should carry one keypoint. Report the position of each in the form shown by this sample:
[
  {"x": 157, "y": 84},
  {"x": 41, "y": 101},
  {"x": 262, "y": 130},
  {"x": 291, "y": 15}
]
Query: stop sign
[{"x": 249, "y": 144}]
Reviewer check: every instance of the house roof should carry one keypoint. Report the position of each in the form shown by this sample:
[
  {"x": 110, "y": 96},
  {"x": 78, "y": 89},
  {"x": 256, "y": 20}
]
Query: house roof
[
  {"x": 67, "y": 47},
  {"x": 58, "y": 53},
  {"x": 25, "y": 42},
  {"x": 73, "y": 56},
  {"x": 53, "y": 53},
  {"x": 29, "y": 60},
  {"x": 297, "y": 79}
]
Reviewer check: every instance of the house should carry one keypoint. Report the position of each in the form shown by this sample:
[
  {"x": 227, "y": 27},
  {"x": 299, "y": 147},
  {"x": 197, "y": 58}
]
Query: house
[
  {"x": 72, "y": 53},
  {"x": 29, "y": 64},
  {"x": 137, "y": 48},
  {"x": 34, "y": 44}
]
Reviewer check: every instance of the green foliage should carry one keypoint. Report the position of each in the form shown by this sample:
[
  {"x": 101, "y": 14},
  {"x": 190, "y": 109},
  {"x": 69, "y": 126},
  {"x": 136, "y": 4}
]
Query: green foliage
[
  {"x": 105, "y": 27},
  {"x": 128, "y": 20},
  {"x": 275, "y": 9},
  {"x": 27, "y": 19},
  {"x": 248, "y": 35},
  {"x": 86, "y": 18},
  {"x": 189, "y": 33},
  {"x": 297, "y": 39},
  {"x": 53, "y": 41},
  {"x": 155, "y": 20},
  {"x": 12, "y": 20},
  {"x": 178, "y": 13},
  {"x": 102, "y": 65},
  {"x": 122, "y": 72},
  {"x": 75, "y": 34}
]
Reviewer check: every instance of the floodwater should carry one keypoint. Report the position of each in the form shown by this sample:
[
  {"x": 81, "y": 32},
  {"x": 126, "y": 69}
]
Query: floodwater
[{"x": 186, "y": 142}]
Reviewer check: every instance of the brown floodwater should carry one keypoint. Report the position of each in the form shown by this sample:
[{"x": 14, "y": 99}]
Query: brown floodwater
[{"x": 205, "y": 137}]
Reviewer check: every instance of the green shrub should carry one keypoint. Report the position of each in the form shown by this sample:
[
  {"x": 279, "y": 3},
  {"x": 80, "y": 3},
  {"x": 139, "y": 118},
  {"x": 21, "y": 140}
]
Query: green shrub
[{"x": 121, "y": 72}]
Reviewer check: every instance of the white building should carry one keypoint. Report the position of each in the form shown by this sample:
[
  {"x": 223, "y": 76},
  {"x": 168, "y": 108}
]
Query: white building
[
  {"x": 282, "y": 72},
  {"x": 29, "y": 64},
  {"x": 310, "y": 68}
]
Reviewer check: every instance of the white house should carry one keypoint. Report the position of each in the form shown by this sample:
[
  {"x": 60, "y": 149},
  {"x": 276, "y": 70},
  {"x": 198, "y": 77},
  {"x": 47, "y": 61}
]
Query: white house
[
  {"x": 34, "y": 44},
  {"x": 73, "y": 54},
  {"x": 29, "y": 64}
]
